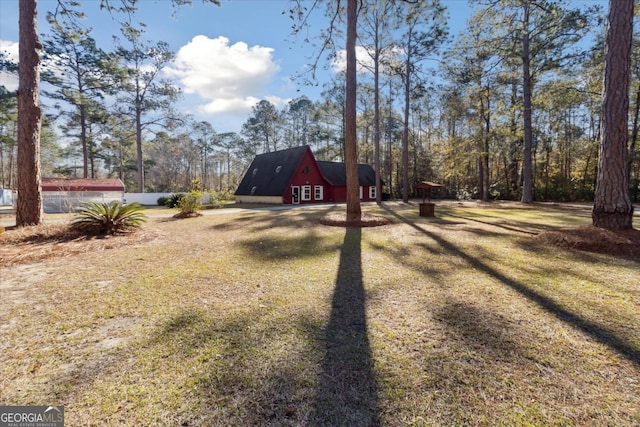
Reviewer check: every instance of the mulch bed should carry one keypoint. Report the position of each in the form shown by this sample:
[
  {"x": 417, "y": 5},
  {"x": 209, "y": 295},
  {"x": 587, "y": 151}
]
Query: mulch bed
[
  {"x": 35, "y": 243},
  {"x": 181, "y": 215},
  {"x": 625, "y": 243},
  {"x": 366, "y": 220}
]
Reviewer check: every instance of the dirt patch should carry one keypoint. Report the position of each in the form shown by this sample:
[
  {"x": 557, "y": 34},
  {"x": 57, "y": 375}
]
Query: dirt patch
[
  {"x": 624, "y": 243},
  {"x": 366, "y": 220},
  {"x": 16, "y": 282},
  {"x": 36, "y": 243}
]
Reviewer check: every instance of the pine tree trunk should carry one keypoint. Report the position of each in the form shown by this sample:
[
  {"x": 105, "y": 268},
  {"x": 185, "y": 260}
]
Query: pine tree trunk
[
  {"x": 527, "y": 163},
  {"x": 376, "y": 121},
  {"x": 354, "y": 212},
  {"x": 634, "y": 133},
  {"x": 612, "y": 206},
  {"x": 29, "y": 207},
  {"x": 83, "y": 138},
  {"x": 405, "y": 129},
  {"x": 139, "y": 155}
]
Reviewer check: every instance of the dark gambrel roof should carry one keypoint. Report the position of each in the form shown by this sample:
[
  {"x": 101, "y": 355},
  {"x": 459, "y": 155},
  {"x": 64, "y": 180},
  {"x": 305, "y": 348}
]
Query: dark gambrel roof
[
  {"x": 336, "y": 173},
  {"x": 271, "y": 173}
]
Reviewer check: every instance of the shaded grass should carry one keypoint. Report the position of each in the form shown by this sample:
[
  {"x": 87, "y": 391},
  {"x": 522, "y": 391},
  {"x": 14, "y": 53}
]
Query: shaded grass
[{"x": 269, "y": 318}]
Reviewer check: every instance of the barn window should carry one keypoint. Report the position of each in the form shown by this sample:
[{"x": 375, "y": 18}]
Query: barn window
[
  {"x": 253, "y": 190},
  {"x": 306, "y": 192},
  {"x": 305, "y": 170},
  {"x": 318, "y": 192},
  {"x": 255, "y": 171}
]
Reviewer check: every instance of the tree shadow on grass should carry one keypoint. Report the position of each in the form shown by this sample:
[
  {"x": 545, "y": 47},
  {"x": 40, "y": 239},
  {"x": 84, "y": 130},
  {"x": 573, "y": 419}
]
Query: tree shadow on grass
[
  {"x": 244, "y": 371},
  {"x": 347, "y": 391},
  {"x": 283, "y": 247},
  {"x": 481, "y": 330},
  {"x": 260, "y": 220},
  {"x": 595, "y": 330},
  {"x": 504, "y": 224}
]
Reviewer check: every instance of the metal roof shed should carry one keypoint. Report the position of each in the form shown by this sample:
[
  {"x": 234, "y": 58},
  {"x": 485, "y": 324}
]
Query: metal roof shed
[{"x": 67, "y": 194}]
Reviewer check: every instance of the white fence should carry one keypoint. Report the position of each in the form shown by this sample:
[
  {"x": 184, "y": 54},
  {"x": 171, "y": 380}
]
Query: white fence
[
  {"x": 148, "y": 199},
  {"x": 68, "y": 201},
  {"x": 151, "y": 199}
]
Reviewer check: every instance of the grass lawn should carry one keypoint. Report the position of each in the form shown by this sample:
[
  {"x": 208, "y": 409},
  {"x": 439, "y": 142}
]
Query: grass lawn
[{"x": 271, "y": 319}]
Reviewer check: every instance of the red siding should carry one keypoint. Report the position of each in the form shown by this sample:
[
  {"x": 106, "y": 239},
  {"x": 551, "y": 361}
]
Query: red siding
[
  {"x": 308, "y": 173},
  {"x": 338, "y": 194}
]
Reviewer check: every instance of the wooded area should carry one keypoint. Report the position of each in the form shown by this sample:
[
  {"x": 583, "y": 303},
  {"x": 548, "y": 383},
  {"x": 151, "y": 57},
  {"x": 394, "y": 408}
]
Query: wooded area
[{"x": 511, "y": 108}]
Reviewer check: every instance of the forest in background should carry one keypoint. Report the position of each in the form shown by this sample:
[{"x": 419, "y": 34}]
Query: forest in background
[{"x": 451, "y": 106}]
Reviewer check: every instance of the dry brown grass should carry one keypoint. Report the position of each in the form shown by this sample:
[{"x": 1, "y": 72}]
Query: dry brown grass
[{"x": 269, "y": 318}]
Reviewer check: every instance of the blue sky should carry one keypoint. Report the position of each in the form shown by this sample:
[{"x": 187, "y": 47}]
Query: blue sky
[{"x": 228, "y": 57}]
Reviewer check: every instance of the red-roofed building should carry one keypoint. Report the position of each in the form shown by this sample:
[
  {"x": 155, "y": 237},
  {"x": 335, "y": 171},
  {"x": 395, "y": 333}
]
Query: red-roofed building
[{"x": 67, "y": 194}]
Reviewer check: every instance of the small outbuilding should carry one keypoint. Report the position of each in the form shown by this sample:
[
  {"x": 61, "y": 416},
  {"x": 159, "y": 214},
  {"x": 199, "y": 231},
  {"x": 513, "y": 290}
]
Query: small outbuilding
[
  {"x": 426, "y": 188},
  {"x": 67, "y": 194},
  {"x": 293, "y": 176}
]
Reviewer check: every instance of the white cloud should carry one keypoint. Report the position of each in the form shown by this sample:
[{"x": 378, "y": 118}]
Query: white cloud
[
  {"x": 230, "y": 106},
  {"x": 239, "y": 105},
  {"x": 231, "y": 78},
  {"x": 10, "y": 49},
  {"x": 364, "y": 60}
]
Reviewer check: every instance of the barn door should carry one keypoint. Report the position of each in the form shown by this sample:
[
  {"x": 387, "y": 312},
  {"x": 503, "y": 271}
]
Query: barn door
[{"x": 295, "y": 195}]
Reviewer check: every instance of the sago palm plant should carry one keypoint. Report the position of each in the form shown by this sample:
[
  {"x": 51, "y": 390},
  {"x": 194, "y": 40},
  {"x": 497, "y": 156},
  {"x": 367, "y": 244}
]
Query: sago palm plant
[{"x": 108, "y": 218}]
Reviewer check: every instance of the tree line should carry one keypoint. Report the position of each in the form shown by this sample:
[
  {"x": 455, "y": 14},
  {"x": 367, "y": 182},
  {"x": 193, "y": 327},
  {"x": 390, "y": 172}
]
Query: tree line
[{"x": 510, "y": 108}]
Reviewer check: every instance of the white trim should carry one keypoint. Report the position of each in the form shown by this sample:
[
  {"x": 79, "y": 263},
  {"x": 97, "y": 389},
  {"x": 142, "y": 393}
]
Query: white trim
[
  {"x": 306, "y": 193},
  {"x": 318, "y": 192},
  {"x": 372, "y": 192},
  {"x": 295, "y": 194},
  {"x": 360, "y": 192}
]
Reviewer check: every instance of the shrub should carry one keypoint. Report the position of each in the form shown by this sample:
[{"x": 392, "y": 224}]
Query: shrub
[
  {"x": 162, "y": 201},
  {"x": 174, "y": 200},
  {"x": 190, "y": 202},
  {"x": 108, "y": 218},
  {"x": 217, "y": 198}
]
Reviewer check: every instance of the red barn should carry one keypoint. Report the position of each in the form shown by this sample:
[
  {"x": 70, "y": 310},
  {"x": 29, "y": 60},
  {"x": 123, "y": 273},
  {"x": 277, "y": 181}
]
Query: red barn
[{"x": 293, "y": 176}]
